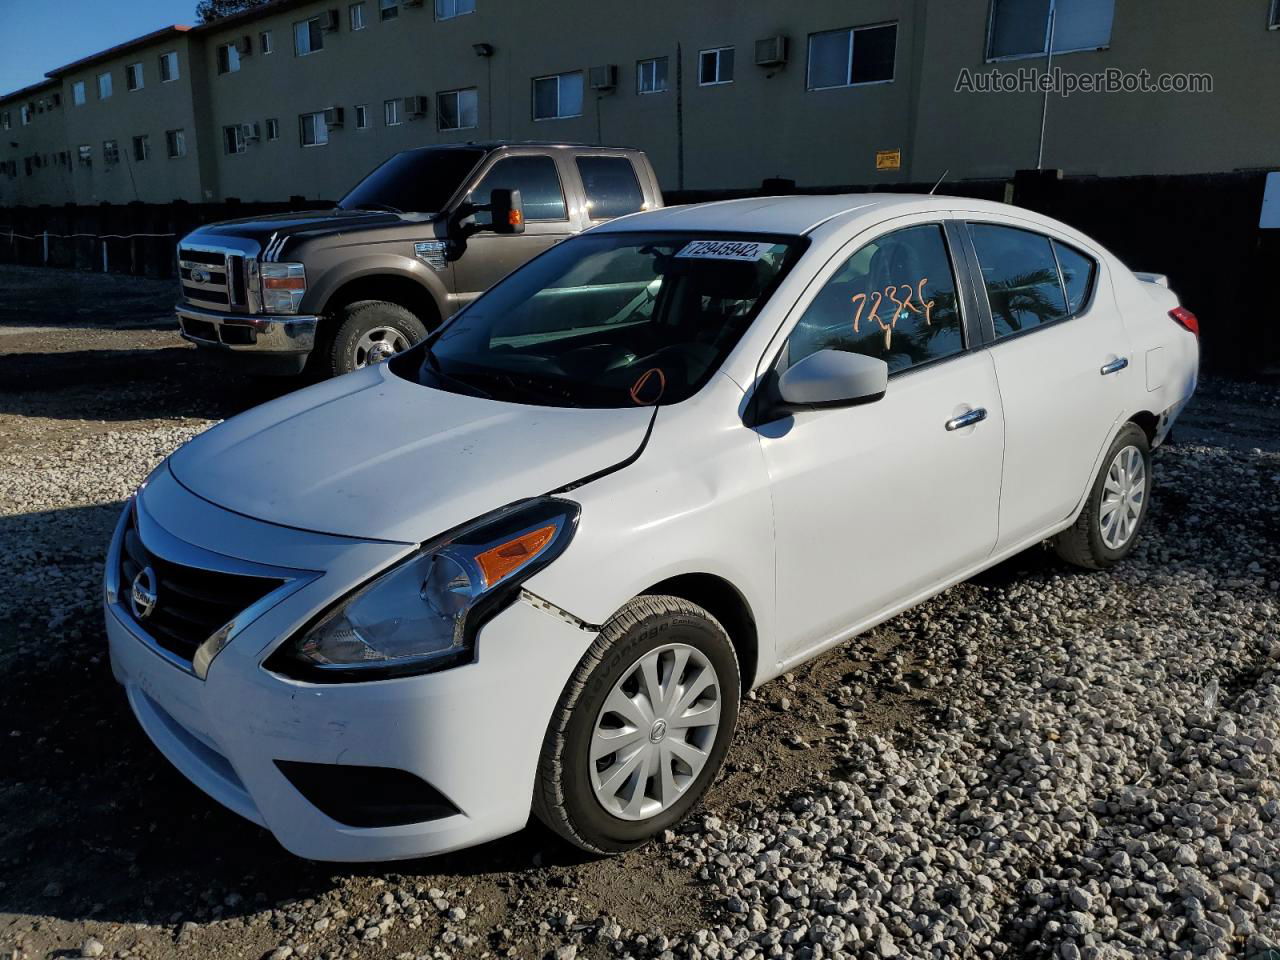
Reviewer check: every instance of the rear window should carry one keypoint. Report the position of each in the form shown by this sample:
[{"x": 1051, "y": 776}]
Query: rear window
[
  {"x": 1078, "y": 272},
  {"x": 611, "y": 186},
  {"x": 1020, "y": 273}
]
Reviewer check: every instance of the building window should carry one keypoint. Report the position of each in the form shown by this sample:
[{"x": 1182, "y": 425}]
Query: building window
[
  {"x": 141, "y": 148},
  {"x": 307, "y": 37},
  {"x": 110, "y": 152},
  {"x": 233, "y": 139},
  {"x": 228, "y": 58},
  {"x": 24, "y": 112},
  {"x": 273, "y": 128},
  {"x": 391, "y": 112},
  {"x": 85, "y": 153},
  {"x": 846, "y": 58},
  {"x": 1021, "y": 29},
  {"x": 4, "y": 119},
  {"x": 77, "y": 93},
  {"x": 651, "y": 75},
  {"x": 1273, "y": 18},
  {"x": 356, "y": 14},
  {"x": 264, "y": 42},
  {"x": 168, "y": 66},
  {"x": 362, "y": 116},
  {"x": 457, "y": 109},
  {"x": 558, "y": 96},
  {"x": 388, "y": 9},
  {"x": 133, "y": 76},
  {"x": 104, "y": 86},
  {"x": 715, "y": 66},
  {"x": 314, "y": 131},
  {"x": 175, "y": 143},
  {"x": 448, "y": 9}
]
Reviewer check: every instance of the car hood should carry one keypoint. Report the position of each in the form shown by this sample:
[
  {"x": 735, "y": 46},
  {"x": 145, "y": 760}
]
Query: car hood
[
  {"x": 374, "y": 456},
  {"x": 306, "y": 223}
]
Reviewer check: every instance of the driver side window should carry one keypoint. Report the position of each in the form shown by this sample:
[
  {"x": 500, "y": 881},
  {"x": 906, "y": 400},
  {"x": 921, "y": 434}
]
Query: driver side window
[
  {"x": 895, "y": 299},
  {"x": 536, "y": 179}
]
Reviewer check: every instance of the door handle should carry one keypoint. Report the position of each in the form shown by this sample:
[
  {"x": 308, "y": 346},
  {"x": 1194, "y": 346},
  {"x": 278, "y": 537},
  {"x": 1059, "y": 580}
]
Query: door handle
[
  {"x": 1115, "y": 366},
  {"x": 967, "y": 419}
]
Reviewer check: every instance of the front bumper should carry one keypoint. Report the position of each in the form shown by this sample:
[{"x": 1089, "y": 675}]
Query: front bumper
[
  {"x": 271, "y": 343},
  {"x": 474, "y": 733}
]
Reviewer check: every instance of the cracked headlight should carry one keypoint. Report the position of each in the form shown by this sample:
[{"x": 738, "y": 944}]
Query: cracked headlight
[{"x": 423, "y": 614}]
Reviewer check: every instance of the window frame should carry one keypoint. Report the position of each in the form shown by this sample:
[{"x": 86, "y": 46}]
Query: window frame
[
  {"x": 228, "y": 54},
  {"x": 143, "y": 139},
  {"x": 559, "y": 79},
  {"x": 360, "y": 117},
  {"x": 360, "y": 7},
  {"x": 391, "y": 108},
  {"x": 954, "y": 237},
  {"x": 457, "y": 110},
  {"x": 79, "y": 94},
  {"x": 853, "y": 47},
  {"x": 266, "y": 42},
  {"x": 456, "y": 12},
  {"x": 273, "y": 128},
  {"x": 388, "y": 10},
  {"x": 988, "y": 57},
  {"x": 1273, "y": 16},
  {"x": 717, "y": 51},
  {"x": 233, "y": 141},
  {"x": 110, "y": 152},
  {"x": 175, "y": 143},
  {"x": 980, "y": 284},
  {"x": 666, "y": 79},
  {"x": 110, "y": 86},
  {"x": 169, "y": 63},
  {"x": 129, "y": 75},
  {"x": 311, "y": 35},
  {"x": 302, "y": 127}
]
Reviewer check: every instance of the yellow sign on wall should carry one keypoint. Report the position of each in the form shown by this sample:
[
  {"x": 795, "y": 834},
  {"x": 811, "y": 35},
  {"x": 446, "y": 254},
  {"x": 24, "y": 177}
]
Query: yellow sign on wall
[{"x": 888, "y": 159}]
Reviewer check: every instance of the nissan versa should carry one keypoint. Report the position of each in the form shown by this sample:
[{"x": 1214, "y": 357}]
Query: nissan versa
[{"x": 533, "y": 563}]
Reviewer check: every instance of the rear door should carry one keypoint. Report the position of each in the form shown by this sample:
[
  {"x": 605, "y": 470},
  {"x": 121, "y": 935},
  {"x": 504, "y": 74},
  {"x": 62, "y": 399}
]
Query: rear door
[
  {"x": 876, "y": 504},
  {"x": 611, "y": 185},
  {"x": 548, "y": 215},
  {"x": 1061, "y": 356}
]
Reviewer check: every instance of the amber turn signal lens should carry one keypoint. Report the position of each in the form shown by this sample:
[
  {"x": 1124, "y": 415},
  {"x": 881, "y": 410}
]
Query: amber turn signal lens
[
  {"x": 515, "y": 218},
  {"x": 284, "y": 283},
  {"x": 496, "y": 562}
]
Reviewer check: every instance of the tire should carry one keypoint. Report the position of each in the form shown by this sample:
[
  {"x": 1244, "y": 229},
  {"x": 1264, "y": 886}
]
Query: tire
[
  {"x": 376, "y": 322},
  {"x": 1085, "y": 543},
  {"x": 566, "y": 797}
]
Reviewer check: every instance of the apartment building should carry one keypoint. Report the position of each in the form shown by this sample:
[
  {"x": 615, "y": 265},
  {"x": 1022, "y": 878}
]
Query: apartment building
[{"x": 302, "y": 98}]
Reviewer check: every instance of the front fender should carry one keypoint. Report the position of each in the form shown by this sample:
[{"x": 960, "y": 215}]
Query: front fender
[{"x": 334, "y": 274}]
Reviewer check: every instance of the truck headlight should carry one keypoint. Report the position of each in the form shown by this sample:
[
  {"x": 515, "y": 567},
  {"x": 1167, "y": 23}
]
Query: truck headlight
[
  {"x": 424, "y": 613},
  {"x": 283, "y": 286}
]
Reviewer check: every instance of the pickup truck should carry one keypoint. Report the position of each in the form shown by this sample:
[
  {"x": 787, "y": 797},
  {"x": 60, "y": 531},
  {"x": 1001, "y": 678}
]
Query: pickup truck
[{"x": 330, "y": 291}]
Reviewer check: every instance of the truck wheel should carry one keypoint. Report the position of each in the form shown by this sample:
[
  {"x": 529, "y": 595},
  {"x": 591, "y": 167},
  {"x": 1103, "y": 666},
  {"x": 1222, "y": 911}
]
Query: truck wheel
[{"x": 372, "y": 331}]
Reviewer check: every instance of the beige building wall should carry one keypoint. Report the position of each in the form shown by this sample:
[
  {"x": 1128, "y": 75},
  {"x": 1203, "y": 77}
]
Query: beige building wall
[{"x": 36, "y": 146}]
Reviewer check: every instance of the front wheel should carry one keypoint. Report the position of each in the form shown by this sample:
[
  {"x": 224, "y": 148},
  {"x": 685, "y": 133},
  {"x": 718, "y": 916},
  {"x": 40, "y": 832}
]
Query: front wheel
[
  {"x": 370, "y": 332},
  {"x": 642, "y": 727},
  {"x": 1112, "y": 518}
]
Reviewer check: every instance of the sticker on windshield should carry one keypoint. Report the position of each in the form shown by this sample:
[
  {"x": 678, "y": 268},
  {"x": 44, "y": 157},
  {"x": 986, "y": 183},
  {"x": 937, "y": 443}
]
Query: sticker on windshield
[{"x": 724, "y": 250}]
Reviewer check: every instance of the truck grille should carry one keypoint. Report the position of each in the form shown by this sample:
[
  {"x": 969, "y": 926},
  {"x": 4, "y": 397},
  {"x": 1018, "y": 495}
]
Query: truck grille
[
  {"x": 212, "y": 278},
  {"x": 191, "y": 603}
]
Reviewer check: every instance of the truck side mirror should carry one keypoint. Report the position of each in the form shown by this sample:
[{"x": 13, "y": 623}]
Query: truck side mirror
[{"x": 506, "y": 211}]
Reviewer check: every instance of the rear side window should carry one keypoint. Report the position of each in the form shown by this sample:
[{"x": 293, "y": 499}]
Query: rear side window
[
  {"x": 895, "y": 299},
  {"x": 1021, "y": 276},
  {"x": 611, "y": 186},
  {"x": 1078, "y": 272},
  {"x": 536, "y": 179}
]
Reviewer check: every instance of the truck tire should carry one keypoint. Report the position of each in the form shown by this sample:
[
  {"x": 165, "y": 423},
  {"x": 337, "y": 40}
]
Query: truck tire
[
  {"x": 371, "y": 331},
  {"x": 608, "y": 797},
  {"x": 1113, "y": 515}
]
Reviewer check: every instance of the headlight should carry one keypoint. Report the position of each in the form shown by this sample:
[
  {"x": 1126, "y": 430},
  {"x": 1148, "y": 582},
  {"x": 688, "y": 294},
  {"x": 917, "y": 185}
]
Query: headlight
[
  {"x": 423, "y": 614},
  {"x": 283, "y": 285}
]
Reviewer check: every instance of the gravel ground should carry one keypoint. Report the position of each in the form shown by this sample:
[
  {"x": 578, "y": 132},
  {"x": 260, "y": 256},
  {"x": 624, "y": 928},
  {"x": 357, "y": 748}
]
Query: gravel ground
[{"x": 1040, "y": 762}]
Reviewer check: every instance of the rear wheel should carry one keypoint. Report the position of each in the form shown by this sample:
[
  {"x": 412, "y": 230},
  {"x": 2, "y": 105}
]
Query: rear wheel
[
  {"x": 371, "y": 331},
  {"x": 1112, "y": 518},
  {"x": 642, "y": 727}
]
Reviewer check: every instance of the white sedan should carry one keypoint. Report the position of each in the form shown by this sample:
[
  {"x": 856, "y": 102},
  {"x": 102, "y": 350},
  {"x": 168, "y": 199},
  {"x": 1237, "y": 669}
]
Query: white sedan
[{"x": 533, "y": 564}]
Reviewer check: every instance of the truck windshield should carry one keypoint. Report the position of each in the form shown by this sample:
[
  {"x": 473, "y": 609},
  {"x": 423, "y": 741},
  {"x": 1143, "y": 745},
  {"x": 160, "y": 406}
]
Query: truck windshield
[
  {"x": 607, "y": 320},
  {"x": 416, "y": 181}
]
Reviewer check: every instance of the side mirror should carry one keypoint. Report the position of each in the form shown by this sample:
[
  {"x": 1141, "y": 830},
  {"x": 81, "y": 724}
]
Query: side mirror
[
  {"x": 506, "y": 211},
  {"x": 827, "y": 378}
]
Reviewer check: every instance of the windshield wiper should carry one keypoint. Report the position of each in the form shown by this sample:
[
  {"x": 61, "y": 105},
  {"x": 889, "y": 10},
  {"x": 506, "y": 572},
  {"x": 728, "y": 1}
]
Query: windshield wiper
[{"x": 380, "y": 206}]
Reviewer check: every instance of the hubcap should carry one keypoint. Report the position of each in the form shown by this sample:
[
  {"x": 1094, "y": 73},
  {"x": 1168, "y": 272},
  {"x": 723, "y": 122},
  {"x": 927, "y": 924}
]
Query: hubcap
[
  {"x": 655, "y": 732},
  {"x": 1124, "y": 493},
  {"x": 379, "y": 344}
]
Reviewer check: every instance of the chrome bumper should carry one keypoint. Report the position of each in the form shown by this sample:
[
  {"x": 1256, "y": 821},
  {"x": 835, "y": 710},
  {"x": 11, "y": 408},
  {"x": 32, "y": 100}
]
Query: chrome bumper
[{"x": 247, "y": 333}]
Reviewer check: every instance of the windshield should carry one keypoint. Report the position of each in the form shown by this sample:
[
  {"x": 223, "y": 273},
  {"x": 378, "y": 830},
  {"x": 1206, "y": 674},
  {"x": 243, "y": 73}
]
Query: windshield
[
  {"x": 608, "y": 320},
  {"x": 416, "y": 181}
]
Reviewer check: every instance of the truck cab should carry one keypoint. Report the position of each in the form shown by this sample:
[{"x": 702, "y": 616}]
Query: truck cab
[{"x": 330, "y": 291}]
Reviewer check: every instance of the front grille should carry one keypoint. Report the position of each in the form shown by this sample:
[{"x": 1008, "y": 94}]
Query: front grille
[
  {"x": 225, "y": 284},
  {"x": 191, "y": 603}
]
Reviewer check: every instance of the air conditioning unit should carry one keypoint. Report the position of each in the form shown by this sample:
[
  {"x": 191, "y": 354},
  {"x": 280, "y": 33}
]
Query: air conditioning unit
[
  {"x": 771, "y": 51},
  {"x": 415, "y": 106},
  {"x": 329, "y": 21},
  {"x": 250, "y": 131},
  {"x": 604, "y": 77},
  {"x": 333, "y": 117},
  {"x": 244, "y": 46}
]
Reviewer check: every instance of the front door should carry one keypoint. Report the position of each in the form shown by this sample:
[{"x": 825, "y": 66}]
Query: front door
[
  {"x": 876, "y": 504},
  {"x": 489, "y": 256}
]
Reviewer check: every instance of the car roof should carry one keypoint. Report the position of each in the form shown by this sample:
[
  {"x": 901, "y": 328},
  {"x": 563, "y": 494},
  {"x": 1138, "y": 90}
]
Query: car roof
[{"x": 796, "y": 215}]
